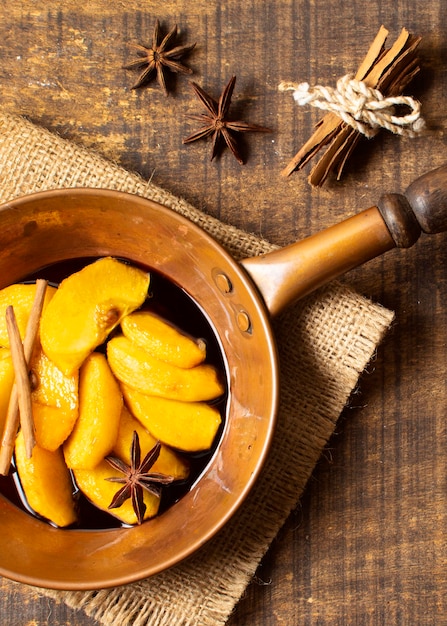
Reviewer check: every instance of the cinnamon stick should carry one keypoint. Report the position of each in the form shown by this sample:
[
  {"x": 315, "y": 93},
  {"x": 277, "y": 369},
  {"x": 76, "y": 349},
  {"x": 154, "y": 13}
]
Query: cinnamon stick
[
  {"x": 21, "y": 380},
  {"x": 390, "y": 71},
  {"x": 13, "y": 418}
]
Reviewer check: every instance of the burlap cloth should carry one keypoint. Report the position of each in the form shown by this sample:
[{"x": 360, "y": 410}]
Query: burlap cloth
[{"x": 324, "y": 342}]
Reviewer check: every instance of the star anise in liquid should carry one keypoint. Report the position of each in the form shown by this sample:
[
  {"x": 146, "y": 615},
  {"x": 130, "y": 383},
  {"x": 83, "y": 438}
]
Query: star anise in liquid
[
  {"x": 216, "y": 123},
  {"x": 159, "y": 58},
  {"x": 137, "y": 478}
]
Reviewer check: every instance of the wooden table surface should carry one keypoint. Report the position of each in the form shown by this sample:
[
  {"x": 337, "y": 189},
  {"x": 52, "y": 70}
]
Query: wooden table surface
[{"x": 366, "y": 543}]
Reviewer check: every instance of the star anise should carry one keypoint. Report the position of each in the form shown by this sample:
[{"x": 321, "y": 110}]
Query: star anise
[
  {"x": 217, "y": 123},
  {"x": 155, "y": 60},
  {"x": 137, "y": 477}
]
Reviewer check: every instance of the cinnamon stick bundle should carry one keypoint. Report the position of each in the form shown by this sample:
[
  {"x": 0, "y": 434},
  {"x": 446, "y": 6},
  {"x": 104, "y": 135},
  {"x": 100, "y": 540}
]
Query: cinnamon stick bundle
[{"x": 389, "y": 71}]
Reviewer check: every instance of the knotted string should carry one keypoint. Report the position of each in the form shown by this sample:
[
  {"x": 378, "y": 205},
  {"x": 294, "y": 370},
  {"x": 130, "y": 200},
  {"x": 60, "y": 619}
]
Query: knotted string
[{"x": 364, "y": 108}]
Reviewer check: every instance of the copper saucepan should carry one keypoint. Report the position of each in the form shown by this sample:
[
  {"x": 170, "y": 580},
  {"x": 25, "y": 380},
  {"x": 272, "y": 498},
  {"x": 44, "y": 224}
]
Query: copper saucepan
[{"x": 239, "y": 299}]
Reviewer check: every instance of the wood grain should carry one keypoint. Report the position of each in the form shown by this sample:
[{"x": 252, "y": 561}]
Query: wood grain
[{"x": 366, "y": 543}]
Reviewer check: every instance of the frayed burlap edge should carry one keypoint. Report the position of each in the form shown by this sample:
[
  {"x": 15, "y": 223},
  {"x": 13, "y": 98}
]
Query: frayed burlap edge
[{"x": 324, "y": 343}]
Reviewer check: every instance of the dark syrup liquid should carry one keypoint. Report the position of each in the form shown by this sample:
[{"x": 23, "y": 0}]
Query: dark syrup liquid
[{"x": 173, "y": 304}]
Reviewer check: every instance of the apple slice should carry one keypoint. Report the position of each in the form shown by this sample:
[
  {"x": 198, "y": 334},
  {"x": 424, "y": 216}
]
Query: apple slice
[
  {"x": 187, "y": 426},
  {"x": 86, "y": 307},
  {"x": 21, "y": 297},
  {"x": 163, "y": 340},
  {"x": 55, "y": 401},
  {"x": 140, "y": 370},
  {"x": 6, "y": 383},
  {"x": 95, "y": 485},
  {"x": 169, "y": 462},
  {"x": 100, "y": 405},
  {"x": 46, "y": 483}
]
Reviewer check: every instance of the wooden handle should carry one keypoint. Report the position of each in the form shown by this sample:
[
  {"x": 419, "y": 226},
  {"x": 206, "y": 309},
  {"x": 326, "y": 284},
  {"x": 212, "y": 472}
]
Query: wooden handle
[
  {"x": 423, "y": 208},
  {"x": 284, "y": 275}
]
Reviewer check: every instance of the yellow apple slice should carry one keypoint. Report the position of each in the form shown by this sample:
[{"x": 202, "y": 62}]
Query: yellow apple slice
[
  {"x": 100, "y": 404},
  {"x": 55, "y": 401},
  {"x": 140, "y": 370},
  {"x": 46, "y": 483},
  {"x": 100, "y": 491},
  {"x": 163, "y": 340},
  {"x": 86, "y": 307},
  {"x": 187, "y": 426},
  {"x": 6, "y": 384},
  {"x": 21, "y": 297},
  {"x": 168, "y": 462}
]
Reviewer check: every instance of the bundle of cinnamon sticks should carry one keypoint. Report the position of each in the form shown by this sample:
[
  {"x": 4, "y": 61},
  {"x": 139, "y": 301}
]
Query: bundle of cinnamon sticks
[
  {"x": 20, "y": 409},
  {"x": 389, "y": 71}
]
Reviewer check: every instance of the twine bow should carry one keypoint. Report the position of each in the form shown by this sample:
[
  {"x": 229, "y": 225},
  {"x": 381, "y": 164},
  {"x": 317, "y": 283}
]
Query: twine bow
[{"x": 364, "y": 108}]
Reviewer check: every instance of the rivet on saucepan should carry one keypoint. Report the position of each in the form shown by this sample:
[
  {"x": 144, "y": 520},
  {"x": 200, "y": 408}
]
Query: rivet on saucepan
[
  {"x": 224, "y": 283},
  {"x": 243, "y": 321}
]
